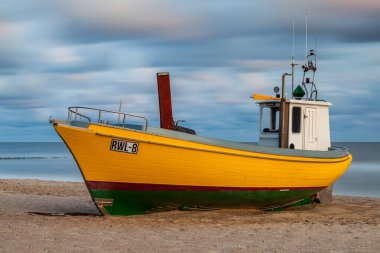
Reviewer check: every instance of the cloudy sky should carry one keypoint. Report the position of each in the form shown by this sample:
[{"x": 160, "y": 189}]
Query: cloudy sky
[{"x": 54, "y": 54}]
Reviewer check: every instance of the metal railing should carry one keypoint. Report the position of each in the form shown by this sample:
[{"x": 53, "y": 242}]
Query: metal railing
[{"x": 76, "y": 113}]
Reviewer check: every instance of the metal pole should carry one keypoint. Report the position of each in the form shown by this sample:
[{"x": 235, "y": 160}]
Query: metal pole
[
  {"x": 283, "y": 84},
  {"x": 293, "y": 61},
  {"x": 292, "y": 78},
  {"x": 118, "y": 118},
  {"x": 306, "y": 38}
]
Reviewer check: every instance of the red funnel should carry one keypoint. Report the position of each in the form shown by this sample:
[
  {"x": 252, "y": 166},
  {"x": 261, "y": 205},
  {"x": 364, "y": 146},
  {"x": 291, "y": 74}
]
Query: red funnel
[{"x": 165, "y": 101}]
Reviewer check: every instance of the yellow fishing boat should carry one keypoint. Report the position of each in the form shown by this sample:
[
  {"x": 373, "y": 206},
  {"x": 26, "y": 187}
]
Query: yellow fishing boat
[{"x": 134, "y": 168}]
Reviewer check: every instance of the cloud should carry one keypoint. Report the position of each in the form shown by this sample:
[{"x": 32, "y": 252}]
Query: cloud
[
  {"x": 90, "y": 21},
  {"x": 117, "y": 20},
  {"x": 93, "y": 21},
  {"x": 62, "y": 55},
  {"x": 54, "y": 54}
]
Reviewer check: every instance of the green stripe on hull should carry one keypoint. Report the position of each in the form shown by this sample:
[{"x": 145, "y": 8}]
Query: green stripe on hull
[{"x": 131, "y": 202}]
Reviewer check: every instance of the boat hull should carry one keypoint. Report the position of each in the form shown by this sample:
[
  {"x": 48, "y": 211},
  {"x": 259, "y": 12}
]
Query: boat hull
[
  {"x": 129, "y": 199},
  {"x": 170, "y": 172}
]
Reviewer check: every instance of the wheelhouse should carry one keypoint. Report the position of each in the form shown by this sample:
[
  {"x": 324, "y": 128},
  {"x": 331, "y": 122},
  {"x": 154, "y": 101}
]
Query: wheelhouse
[{"x": 295, "y": 124}]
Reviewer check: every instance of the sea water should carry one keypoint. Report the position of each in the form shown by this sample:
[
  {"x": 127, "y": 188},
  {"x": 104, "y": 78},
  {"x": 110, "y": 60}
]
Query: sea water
[
  {"x": 38, "y": 160},
  {"x": 53, "y": 161},
  {"x": 362, "y": 178}
]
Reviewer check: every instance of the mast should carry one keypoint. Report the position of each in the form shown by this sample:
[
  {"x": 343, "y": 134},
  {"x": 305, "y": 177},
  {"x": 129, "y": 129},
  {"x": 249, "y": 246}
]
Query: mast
[
  {"x": 310, "y": 65},
  {"x": 293, "y": 58},
  {"x": 306, "y": 53}
]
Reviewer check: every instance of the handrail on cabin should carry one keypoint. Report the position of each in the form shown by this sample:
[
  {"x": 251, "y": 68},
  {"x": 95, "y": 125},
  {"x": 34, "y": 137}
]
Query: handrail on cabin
[{"x": 74, "y": 110}]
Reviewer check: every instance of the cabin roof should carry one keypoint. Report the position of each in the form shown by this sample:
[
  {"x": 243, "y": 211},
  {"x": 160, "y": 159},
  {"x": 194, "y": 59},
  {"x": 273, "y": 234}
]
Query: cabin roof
[
  {"x": 309, "y": 102},
  {"x": 270, "y": 100}
]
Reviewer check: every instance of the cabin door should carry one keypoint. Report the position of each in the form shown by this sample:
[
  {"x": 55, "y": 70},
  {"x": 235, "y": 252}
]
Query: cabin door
[{"x": 311, "y": 131}]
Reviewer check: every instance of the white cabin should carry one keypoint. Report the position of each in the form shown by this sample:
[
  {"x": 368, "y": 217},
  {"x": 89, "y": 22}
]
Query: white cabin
[{"x": 295, "y": 124}]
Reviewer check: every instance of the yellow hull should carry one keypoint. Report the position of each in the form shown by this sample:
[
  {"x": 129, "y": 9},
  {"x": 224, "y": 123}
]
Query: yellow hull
[{"x": 169, "y": 161}]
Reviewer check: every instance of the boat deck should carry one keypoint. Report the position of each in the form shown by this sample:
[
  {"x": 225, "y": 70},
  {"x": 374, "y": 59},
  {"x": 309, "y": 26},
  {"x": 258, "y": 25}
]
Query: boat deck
[{"x": 334, "y": 152}]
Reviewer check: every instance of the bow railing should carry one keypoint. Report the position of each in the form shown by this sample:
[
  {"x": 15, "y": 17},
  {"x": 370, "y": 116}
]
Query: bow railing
[{"x": 101, "y": 116}]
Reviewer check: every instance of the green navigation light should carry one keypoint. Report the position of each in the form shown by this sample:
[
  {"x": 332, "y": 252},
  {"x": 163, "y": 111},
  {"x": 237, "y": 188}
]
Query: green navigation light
[{"x": 298, "y": 93}]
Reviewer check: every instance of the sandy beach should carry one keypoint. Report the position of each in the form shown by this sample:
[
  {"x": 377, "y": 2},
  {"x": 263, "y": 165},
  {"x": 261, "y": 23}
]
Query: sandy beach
[{"x": 49, "y": 216}]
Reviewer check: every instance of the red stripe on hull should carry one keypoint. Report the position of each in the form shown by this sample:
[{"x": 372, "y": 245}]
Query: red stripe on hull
[{"x": 98, "y": 185}]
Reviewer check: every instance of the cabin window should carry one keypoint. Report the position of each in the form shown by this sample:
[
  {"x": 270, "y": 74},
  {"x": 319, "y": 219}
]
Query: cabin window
[
  {"x": 270, "y": 119},
  {"x": 296, "y": 120}
]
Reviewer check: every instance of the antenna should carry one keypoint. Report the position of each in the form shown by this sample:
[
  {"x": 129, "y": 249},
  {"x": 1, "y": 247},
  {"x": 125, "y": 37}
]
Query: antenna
[
  {"x": 306, "y": 37},
  {"x": 316, "y": 44},
  {"x": 293, "y": 57},
  {"x": 293, "y": 40}
]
